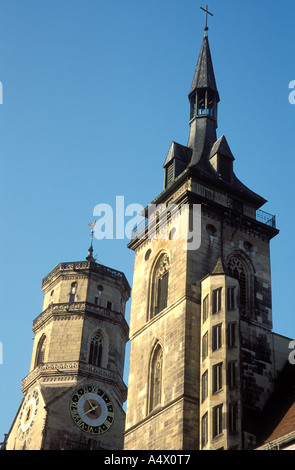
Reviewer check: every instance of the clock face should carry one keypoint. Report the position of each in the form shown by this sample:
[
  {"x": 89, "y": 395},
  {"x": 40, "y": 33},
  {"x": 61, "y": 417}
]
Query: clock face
[
  {"x": 28, "y": 414},
  {"x": 92, "y": 409}
]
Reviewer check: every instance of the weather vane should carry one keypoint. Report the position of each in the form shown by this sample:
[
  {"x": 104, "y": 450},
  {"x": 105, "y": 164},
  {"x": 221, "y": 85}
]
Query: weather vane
[
  {"x": 207, "y": 12},
  {"x": 90, "y": 250}
]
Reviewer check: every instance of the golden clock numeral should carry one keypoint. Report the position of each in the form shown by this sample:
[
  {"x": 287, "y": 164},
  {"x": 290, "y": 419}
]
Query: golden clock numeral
[
  {"x": 75, "y": 413},
  {"x": 79, "y": 421}
]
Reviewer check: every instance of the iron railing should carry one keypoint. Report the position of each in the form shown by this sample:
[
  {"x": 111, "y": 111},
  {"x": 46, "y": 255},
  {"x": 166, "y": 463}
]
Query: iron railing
[
  {"x": 261, "y": 216},
  {"x": 265, "y": 218}
]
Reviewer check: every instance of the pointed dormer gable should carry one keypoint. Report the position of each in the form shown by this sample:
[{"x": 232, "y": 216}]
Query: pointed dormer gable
[
  {"x": 221, "y": 158},
  {"x": 177, "y": 160}
]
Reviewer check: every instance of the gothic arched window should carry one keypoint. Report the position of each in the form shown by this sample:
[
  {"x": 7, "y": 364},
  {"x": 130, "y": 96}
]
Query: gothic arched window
[
  {"x": 160, "y": 281},
  {"x": 95, "y": 351},
  {"x": 40, "y": 351},
  {"x": 237, "y": 270},
  {"x": 156, "y": 372}
]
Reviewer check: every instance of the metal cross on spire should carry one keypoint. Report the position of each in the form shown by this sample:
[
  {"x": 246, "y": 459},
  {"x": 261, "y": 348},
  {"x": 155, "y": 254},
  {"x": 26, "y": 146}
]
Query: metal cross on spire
[{"x": 207, "y": 12}]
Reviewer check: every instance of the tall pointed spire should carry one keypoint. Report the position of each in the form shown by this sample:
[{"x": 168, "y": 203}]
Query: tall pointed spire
[
  {"x": 204, "y": 74},
  {"x": 203, "y": 98}
]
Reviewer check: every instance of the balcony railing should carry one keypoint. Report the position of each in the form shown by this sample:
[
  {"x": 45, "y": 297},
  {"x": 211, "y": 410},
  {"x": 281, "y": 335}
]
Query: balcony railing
[
  {"x": 265, "y": 218},
  {"x": 261, "y": 216}
]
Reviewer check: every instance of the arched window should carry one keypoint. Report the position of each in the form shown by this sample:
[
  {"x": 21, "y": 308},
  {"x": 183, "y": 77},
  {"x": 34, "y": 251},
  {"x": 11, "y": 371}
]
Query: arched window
[
  {"x": 40, "y": 351},
  {"x": 237, "y": 270},
  {"x": 156, "y": 372},
  {"x": 95, "y": 351},
  {"x": 73, "y": 291},
  {"x": 160, "y": 281},
  {"x": 52, "y": 297}
]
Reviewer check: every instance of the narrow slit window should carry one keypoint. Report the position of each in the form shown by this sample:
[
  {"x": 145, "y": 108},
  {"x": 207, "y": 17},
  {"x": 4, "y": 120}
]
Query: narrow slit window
[
  {"x": 204, "y": 386},
  {"x": 205, "y": 308},
  {"x": 216, "y": 300},
  {"x": 216, "y": 337},
  {"x": 217, "y": 378},
  {"x": 231, "y": 335},
  {"x": 97, "y": 297},
  {"x": 205, "y": 346},
  {"x": 204, "y": 429},
  {"x": 230, "y": 298},
  {"x": 73, "y": 292},
  {"x": 217, "y": 420}
]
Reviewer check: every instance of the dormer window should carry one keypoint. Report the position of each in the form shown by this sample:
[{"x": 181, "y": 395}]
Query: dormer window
[{"x": 169, "y": 173}]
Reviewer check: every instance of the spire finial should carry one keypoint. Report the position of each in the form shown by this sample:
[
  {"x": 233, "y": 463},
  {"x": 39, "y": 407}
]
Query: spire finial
[
  {"x": 90, "y": 249},
  {"x": 207, "y": 12}
]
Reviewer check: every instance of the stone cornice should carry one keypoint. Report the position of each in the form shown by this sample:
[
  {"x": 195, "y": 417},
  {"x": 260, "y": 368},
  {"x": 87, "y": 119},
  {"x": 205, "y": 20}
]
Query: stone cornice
[
  {"x": 86, "y": 267},
  {"x": 69, "y": 371},
  {"x": 77, "y": 310}
]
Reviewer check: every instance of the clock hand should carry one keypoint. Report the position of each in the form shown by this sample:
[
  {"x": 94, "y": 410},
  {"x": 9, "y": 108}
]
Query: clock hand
[
  {"x": 88, "y": 399},
  {"x": 88, "y": 411}
]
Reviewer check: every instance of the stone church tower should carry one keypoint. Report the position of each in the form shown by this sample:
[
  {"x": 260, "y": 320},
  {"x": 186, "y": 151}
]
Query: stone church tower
[
  {"x": 203, "y": 357},
  {"x": 204, "y": 361},
  {"x": 74, "y": 392}
]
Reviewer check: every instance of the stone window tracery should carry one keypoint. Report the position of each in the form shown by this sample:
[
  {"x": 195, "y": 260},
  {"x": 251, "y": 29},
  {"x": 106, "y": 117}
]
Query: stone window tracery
[
  {"x": 237, "y": 270},
  {"x": 156, "y": 377},
  {"x": 160, "y": 285},
  {"x": 95, "y": 351}
]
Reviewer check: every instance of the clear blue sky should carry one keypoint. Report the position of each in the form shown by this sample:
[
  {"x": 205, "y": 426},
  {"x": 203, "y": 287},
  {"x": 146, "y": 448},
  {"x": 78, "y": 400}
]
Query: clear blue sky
[{"x": 93, "y": 94}]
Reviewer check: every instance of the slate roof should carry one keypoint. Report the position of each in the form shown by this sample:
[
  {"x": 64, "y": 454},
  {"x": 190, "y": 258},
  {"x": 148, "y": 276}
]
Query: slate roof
[
  {"x": 180, "y": 152},
  {"x": 204, "y": 144},
  {"x": 204, "y": 74},
  {"x": 278, "y": 416},
  {"x": 221, "y": 146}
]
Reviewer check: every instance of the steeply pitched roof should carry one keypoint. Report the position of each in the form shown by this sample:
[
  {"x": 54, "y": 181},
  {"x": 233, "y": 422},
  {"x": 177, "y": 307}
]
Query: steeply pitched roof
[
  {"x": 221, "y": 146},
  {"x": 278, "y": 417},
  {"x": 219, "y": 268},
  {"x": 180, "y": 152},
  {"x": 204, "y": 74}
]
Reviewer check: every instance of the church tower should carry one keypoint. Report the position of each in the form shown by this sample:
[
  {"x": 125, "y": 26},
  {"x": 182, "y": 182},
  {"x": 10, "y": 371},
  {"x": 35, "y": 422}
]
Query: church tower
[
  {"x": 74, "y": 392},
  {"x": 203, "y": 357}
]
